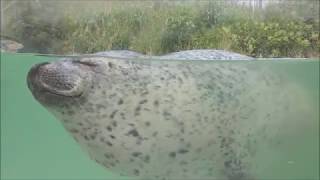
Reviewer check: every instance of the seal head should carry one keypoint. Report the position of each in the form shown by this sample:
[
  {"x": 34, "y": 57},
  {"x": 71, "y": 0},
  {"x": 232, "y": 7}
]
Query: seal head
[{"x": 61, "y": 81}]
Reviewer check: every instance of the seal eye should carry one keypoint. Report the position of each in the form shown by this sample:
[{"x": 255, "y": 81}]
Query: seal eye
[{"x": 87, "y": 63}]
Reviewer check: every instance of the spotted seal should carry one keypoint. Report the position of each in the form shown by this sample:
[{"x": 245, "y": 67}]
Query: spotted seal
[
  {"x": 159, "y": 119},
  {"x": 196, "y": 54}
]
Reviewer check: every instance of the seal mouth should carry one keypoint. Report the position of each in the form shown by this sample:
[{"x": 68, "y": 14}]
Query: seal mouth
[{"x": 57, "y": 78}]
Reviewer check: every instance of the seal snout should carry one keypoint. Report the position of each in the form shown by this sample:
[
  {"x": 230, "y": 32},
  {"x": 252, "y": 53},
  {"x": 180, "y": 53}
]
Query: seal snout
[
  {"x": 61, "y": 78},
  {"x": 33, "y": 74}
]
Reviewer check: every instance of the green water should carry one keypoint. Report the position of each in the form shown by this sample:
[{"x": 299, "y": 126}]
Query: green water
[{"x": 34, "y": 144}]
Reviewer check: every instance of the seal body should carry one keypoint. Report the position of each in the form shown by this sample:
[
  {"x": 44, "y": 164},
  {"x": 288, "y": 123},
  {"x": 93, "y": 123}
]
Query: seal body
[
  {"x": 163, "y": 119},
  {"x": 197, "y": 54}
]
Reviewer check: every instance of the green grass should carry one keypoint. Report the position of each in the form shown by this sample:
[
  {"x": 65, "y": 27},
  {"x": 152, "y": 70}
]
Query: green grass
[{"x": 269, "y": 32}]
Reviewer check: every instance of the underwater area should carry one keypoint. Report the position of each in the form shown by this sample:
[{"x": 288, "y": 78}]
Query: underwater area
[
  {"x": 34, "y": 145},
  {"x": 230, "y": 89}
]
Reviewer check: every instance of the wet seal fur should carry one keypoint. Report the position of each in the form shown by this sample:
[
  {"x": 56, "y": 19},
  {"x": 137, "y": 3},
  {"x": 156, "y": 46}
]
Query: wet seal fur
[{"x": 159, "y": 119}]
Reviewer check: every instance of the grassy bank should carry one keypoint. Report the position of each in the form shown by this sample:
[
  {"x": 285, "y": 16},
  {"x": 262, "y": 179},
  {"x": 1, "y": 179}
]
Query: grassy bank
[{"x": 159, "y": 29}]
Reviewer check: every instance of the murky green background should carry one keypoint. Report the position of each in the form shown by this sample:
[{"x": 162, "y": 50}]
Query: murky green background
[{"x": 34, "y": 144}]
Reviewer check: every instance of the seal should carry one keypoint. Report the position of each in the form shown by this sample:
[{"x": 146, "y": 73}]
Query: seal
[
  {"x": 196, "y": 54},
  {"x": 158, "y": 119}
]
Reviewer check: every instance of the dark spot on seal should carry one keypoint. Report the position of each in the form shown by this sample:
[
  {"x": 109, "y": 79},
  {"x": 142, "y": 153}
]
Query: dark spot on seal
[
  {"x": 112, "y": 137},
  {"x": 139, "y": 141},
  {"x": 172, "y": 154},
  {"x": 113, "y": 114},
  {"x": 114, "y": 123},
  {"x": 86, "y": 137},
  {"x": 147, "y": 123},
  {"x": 70, "y": 112},
  {"x": 156, "y": 103},
  {"x": 102, "y": 139},
  {"x": 110, "y": 64},
  {"x": 155, "y": 134},
  {"x": 147, "y": 159},
  {"x": 180, "y": 80},
  {"x": 74, "y": 130},
  {"x": 228, "y": 164},
  {"x": 100, "y": 106},
  {"x": 166, "y": 115},
  {"x": 108, "y": 156},
  {"x": 137, "y": 111},
  {"x": 144, "y": 93},
  {"x": 112, "y": 95},
  {"x": 92, "y": 136},
  {"x": 109, "y": 128},
  {"x": 120, "y": 102},
  {"x": 157, "y": 87},
  {"x": 143, "y": 101},
  {"x": 133, "y": 132},
  {"x": 136, "y": 172},
  {"x": 136, "y": 154},
  {"x": 90, "y": 109},
  {"x": 182, "y": 151},
  {"x": 109, "y": 143}
]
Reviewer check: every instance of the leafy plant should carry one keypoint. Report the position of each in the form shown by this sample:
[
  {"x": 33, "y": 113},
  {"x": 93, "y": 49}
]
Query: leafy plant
[{"x": 284, "y": 30}]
